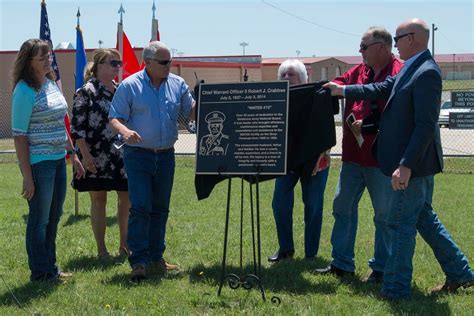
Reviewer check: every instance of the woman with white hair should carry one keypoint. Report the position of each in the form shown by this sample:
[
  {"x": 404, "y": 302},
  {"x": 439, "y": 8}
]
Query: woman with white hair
[{"x": 312, "y": 187}]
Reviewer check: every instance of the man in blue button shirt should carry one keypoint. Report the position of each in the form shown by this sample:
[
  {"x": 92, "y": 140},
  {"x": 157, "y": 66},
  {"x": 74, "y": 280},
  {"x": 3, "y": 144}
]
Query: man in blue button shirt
[{"x": 144, "y": 112}]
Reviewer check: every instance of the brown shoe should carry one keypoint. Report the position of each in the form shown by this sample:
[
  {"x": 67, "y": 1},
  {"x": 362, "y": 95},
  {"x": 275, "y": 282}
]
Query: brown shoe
[
  {"x": 452, "y": 287},
  {"x": 375, "y": 277},
  {"x": 64, "y": 275},
  {"x": 161, "y": 267},
  {"x": 138, "y": 272},
  {"x": 61, "y": 278}
]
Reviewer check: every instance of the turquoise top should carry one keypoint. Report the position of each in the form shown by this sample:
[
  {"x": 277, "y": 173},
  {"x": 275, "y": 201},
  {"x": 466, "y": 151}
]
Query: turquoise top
[{"x": 39, "y": 115}]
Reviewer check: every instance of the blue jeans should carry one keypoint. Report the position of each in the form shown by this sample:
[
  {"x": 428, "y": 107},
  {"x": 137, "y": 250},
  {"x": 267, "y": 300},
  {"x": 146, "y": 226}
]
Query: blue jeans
[
  {"x": 312, "y": 188},
  {"x": 353, "y": 180},
  {"x": 45, "y": 210},
  {"x": 410, "y": 211},
  {"x": 150, "y": 181}
]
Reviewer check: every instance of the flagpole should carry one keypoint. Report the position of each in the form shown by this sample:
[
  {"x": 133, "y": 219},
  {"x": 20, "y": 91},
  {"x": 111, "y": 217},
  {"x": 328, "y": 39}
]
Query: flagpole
[
  {"x": 78, "y": 29},
  {"x": 120, "y": 39},
  {"x": 154, "y": 25}
]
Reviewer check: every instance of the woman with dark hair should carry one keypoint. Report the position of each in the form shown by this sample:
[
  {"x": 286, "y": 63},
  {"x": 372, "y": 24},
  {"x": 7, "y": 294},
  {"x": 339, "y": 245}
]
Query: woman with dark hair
[
  {"x": 103, "y": 162},
  {"x": 41, "y": 140}
]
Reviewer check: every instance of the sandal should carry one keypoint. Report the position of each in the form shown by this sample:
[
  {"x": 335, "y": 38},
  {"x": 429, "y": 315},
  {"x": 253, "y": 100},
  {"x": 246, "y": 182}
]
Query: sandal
[
  {"x": 124, "y": 252},
  {"x": 103, "y": 256}
]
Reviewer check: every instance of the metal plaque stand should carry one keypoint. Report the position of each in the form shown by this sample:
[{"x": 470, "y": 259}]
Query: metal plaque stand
[{"x": 251, "y": 280}]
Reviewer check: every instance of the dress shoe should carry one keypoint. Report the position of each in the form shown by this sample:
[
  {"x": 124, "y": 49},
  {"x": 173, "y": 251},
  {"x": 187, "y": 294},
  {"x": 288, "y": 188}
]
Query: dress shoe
[
  {"x": 330, "y": 269},
  {"x": 452, "y": 287},
  {"x": 161, "y": 267},
  {"x": 138, "y": 272},
  {"x": 61, "y": 278},
  {"x": 375, "y": 277},
  {"x": 277, "y": 256}
]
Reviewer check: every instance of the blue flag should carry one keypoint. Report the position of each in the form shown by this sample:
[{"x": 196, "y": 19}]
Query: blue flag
[
  {"x": 45, "y": 34},
  {"x": 81, "y": 59}
]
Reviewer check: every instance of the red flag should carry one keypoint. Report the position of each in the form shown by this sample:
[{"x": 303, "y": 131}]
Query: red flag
[{"x": 130, "y": 62}]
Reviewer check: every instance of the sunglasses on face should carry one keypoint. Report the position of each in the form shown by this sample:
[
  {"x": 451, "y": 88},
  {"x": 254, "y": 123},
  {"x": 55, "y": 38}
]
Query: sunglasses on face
[
  {"x": 114, "y": 63},
  {"x": 364, "y": 47},
  {"x": 162, "y": 62},
  {"x": 397, "y": 38}
]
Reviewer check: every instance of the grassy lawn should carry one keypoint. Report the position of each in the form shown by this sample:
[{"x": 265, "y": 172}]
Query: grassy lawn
[
  {"x": 194, "y": 241},
  {"x": 458, "y": 84},
  {"x": 6, "y": 144}
]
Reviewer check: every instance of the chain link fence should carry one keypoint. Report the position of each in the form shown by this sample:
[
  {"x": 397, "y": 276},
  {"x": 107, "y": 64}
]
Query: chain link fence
[{"x": 458, "y": 144}]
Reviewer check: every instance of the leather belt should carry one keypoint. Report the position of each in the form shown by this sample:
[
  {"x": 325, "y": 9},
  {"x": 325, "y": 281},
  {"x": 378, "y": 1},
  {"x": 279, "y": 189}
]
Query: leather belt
[{"x": 158, "y": 151}]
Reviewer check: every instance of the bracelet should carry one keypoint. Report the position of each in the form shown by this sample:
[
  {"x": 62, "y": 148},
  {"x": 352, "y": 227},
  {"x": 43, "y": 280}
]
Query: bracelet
[{"x": 72, "y": 152}]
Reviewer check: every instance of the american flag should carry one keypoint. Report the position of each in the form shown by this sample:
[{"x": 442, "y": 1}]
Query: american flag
[{"x": 45, "y": 34}]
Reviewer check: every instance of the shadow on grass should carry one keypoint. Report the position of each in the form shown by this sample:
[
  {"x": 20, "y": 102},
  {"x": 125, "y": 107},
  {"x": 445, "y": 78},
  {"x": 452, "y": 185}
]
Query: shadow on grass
[
  {"x": 73, "y": 219},
  {"x": 421, "y": 303},
  {"x": 27, "y": 293},
  {"x": 285, "y": 276},
  {"x": 89, "y": 263},
  {"x": 124, "y": 280}
]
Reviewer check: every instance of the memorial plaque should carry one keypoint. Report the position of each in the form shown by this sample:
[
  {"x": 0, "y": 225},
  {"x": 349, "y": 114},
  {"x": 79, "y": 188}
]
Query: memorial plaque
[
  {"x": 461, "y": 120},
  {"x": 242, "y": 128},
  {"x": 462, "y": 99}
]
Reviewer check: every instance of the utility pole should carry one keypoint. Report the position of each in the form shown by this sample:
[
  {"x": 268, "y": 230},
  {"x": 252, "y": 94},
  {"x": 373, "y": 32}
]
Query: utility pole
[
  {"x": 173, "y": 51},
  {"x": 454, "y": 65},
  {"x": 243, "y": 44},
  {"x": 433, "y": 29}
]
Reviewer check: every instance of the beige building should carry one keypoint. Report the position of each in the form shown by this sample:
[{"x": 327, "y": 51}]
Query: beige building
[{"x": 214, "y": 69}]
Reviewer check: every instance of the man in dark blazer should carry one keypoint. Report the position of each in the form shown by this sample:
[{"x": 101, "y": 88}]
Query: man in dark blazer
[{"x": 408, "y": 149}]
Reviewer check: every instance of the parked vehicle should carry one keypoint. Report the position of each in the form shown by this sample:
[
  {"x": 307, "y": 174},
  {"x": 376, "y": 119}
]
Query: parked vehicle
[{"x": 447, "y": 108}]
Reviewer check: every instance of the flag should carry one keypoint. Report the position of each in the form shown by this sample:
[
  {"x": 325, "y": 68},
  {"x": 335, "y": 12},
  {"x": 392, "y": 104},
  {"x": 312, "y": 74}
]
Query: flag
[
  {"x": 130, "y": 63},
  {"x": 81, "y": 59},
  {"x": 45, "y": 34},
  {"x": 155, "y": 32}
]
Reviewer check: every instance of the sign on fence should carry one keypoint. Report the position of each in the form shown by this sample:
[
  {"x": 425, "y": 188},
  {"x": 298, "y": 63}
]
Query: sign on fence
[
  {"x": 462, "y": 99},
  {"x": 242, "y": 128},
  {"x": 459, "y": 120}
]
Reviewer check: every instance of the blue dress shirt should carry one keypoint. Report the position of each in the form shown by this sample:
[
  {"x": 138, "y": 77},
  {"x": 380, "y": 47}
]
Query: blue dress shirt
[{"x": 152, "y": 112}]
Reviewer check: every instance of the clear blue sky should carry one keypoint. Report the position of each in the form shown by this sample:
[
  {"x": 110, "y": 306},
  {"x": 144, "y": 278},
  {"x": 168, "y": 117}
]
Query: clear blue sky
[{"x": 196, "y": 28}]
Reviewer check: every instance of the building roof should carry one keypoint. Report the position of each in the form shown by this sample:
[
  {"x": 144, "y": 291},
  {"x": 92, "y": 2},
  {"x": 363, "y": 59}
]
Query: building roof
[
  {"x": 448, "y": 58},
  {"x": 64, "y": 45},
  {"x": 354, "y": 60}
]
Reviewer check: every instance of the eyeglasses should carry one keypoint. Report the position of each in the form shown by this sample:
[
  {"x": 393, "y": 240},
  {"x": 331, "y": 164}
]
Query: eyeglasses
[
  {"x": 114, "y": 63},
  {"x": 396, "y": 38},
  {"x": 364, "y": 47},
  {"x": 45, "y": 58},
  {"x": 163, "y": 62}
]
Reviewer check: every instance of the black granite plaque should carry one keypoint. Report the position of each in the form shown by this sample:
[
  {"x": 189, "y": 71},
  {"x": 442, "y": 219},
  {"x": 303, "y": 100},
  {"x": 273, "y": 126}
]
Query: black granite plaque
[{"x": 242, "y": 128}]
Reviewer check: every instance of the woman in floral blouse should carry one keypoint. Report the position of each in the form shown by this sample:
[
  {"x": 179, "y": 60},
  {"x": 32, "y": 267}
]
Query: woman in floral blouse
[{"x": 102, "y": 161}]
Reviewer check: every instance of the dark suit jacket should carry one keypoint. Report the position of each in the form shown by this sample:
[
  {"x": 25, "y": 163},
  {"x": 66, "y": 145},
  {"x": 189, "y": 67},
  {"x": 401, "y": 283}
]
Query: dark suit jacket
[{"x": 409, "y": 133}]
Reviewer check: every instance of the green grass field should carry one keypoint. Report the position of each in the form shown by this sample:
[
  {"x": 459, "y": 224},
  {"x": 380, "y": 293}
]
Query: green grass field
[
  {"x": 458, "y": 85},
  {"x": 195, "y": 241}
]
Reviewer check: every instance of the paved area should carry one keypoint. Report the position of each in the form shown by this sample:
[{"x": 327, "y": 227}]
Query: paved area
[{"x": 455, "y": 142}]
